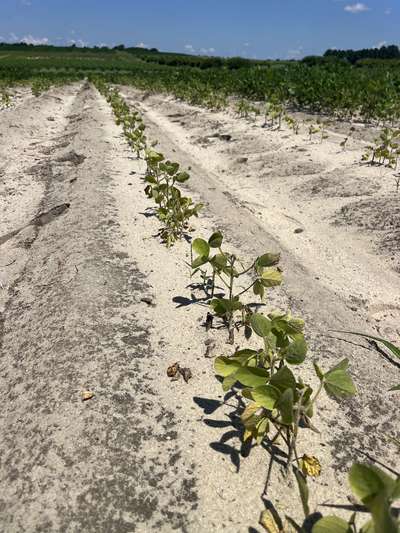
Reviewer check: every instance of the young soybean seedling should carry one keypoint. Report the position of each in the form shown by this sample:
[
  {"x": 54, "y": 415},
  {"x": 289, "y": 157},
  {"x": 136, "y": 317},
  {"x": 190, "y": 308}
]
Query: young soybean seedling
[
  {"x": 312, "y": 130},
  {"x": 280, "y": 403},
  {"x": 174, "y": 210},
  {"x": 345, "y": 141},
  {"x": 228, "y": 269},
  {"x": 322, "y": 131},
  {"x": 293, "y": 124}
]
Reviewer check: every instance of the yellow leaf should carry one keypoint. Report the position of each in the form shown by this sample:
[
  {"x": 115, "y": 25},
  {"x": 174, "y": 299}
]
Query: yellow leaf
[
  {"x": 310, "y": 466},
  {"x": 268, "y": 522},
  {"x": 248, "y": 434},
  {"x": 87, "y": 395},
  {"x": 248, "y": 416}
]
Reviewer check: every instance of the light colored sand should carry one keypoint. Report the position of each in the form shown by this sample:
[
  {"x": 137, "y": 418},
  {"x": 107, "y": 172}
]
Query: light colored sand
[{"x": 149, "y": 454}]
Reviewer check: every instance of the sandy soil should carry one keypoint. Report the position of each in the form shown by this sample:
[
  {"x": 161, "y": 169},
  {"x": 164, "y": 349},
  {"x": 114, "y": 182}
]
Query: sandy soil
[{"x": 92, "y": 301}]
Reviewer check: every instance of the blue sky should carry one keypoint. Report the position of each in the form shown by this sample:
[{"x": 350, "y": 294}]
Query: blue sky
[{"x": 252, "y": 28}]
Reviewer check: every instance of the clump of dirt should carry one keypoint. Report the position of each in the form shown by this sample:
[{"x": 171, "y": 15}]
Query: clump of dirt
[
  {"x": 44, "y": 218},
  {"x": 72, "y": 157},
  {"x": 333, "y": 184},
  {"x": 43, "y": 171},
  {"x": 381, "y": 215}
]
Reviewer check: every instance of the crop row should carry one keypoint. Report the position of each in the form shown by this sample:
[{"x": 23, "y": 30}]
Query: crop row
[
  {"x": 343, "y": 91},
  {"x": 279, "y": 404}
]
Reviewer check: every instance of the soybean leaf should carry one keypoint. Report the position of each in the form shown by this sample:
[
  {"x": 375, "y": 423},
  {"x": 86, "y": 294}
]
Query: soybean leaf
[
  {"x": 182, "y": 177},
  {"x": 215, "y": 241},
  {"x": 201, "y": 247},
  {"x": 268, "y": 260},
  {"x": 303, "y": 489},
  {"x": 318, "y": 371},
  {"x": 375, "y": 489},
  {"x": 296, "y": 352},
  {"x": 219, "y": 261},
  {"x": 283, "y": 379},
  {"x": 199, "y": 261},
  {"x": 379, "y": 507},
  {"x": 258, "y": 289},
  {"x": 337, "y": 381},
  {"x": 252, "y": 377},
  {"x": 397, "y": 387},
  {"x": 271, "y": 278},
  {"x": 225, "y": 366},
  {"x": 266, "y": 396},
  {"x": 260, "y": 324},
  {"x": 285, "y": 406},
  {"x": 368, "y": 480},
  {"x": 228, "y": 382},
  {"x": 331, "y": 524}
]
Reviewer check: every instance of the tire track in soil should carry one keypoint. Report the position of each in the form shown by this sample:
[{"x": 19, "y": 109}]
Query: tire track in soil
[{"x": 73, "y": 321}]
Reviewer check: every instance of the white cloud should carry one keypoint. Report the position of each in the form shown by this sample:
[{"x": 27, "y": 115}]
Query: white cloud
[
  {"x": 379, "y": 45},
  {"x": 13, "y": 37},
  {"x": 29, "y": 39},
  {"x": 295, "y": 53},
  {"x": 26, "y": 2},
  {"x": 206, "y": 51},
  {"x": 388, "y": 11},
  {"x": 142, "y": 45},
  {"x": 359, "y": 7},
  {"x": 189, "y": 48},
  {"x": 78, "y": 42}
]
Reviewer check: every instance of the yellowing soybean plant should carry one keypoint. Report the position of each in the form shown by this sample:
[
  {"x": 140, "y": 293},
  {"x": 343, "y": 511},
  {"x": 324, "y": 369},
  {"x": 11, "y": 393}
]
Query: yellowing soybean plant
[{"x": 200, "y": 291}]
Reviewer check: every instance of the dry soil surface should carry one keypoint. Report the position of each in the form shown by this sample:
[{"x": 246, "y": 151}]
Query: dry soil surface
[{"x": 91, "y": 301}]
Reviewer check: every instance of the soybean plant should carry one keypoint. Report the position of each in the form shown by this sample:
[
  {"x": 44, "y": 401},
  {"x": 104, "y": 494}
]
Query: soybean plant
[
  {"x": 279, "y": 403},
  {"x": 386, "y": 150},
  {"x": 228, "y": 269},
  {"x": 174, "y": 210}
]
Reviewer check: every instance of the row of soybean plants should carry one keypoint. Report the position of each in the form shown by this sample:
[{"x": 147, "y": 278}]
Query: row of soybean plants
[{"x": 279, "y": 404}]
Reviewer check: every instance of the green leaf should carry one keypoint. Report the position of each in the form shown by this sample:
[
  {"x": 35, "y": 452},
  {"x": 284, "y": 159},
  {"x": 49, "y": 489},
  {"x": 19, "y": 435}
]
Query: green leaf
[
  {"x": 375, "y": 489},
  {"x": 368, "y": 480},
  {"x": 228, "y": 382},
  {"x": 337, "y": 381},
  {"x": 218, "y": 261},
  {"x": 262, "y": 429},
  {"x": 258, "y": 289},
  {"x": 331, "y": 524},
  {"x": 266, "y": 396},
  {"x": 285, "y": 406},
  {"x": 244, "y": 355},
  {"x": 318, "y": 371},
  {"x": 218, "y": 305},
  {"x": 268, "y": 260},
  {"x": 396, "y": 490},
  {"x": 182, "y": 177},
  {"x": 383, "y": 519},
  {"x": 283, "y": 379},
  {"x": 201, "y": 247},
  {"x": 303, "y": 490},
  {"x": 368, "y": 527},
  {"x": 260, "y": 324},
  {"x": 215, "y": 241},
  {"x": 397, "y": 387},
  {"x": 252, "y": 377},
  {"x": 199, "y": 261},
  {"x": 225, "y": 366},
  {"x": 296, "y": 352},
  {"x": 271, "y": 278}
]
